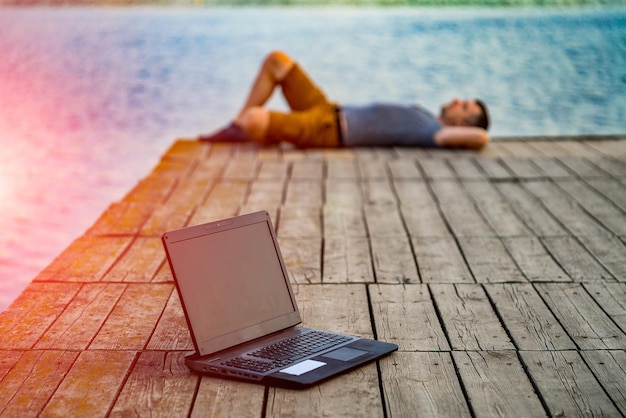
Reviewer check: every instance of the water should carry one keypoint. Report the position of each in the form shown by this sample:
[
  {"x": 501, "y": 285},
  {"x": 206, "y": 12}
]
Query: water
[{"x": 91, "y": 98}]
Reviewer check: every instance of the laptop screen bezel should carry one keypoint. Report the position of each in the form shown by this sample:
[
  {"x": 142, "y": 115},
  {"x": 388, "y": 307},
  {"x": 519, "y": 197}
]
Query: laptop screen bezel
[{"x": 243, "y": 335}]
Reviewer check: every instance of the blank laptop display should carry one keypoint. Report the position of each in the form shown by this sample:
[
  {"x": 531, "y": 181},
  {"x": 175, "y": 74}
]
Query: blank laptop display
[{"x": 242, "y": 313}]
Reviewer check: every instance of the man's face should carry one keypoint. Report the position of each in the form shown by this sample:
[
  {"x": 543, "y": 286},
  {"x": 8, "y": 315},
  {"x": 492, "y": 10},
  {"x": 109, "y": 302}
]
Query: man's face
[{"x": 459, "y": 112}]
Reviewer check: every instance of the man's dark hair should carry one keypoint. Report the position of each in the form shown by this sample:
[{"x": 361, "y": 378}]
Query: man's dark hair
[{"x": 482, "y": 121}]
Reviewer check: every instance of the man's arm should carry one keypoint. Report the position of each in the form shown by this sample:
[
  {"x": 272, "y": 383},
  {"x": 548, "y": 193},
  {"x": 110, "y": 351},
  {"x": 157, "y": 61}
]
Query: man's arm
[{"x": 461, "y": 137}]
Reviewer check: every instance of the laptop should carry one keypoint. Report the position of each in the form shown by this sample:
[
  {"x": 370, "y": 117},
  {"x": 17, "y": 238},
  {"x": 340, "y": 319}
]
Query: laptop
[{"x": 242, "y": 313}]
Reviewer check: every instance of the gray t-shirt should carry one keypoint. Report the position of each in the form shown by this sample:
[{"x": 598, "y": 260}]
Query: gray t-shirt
[{"x": 382, "y": 124}]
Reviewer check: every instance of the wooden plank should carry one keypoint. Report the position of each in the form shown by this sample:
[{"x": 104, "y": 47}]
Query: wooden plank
[
  {"x": 495, "y": 209},
  {"x": 585, "y": 322},
  {"x": 612, "y": 298},
  {"x": 8, "y": 359},
  {"x": 440, "y": 261},
  {"x": 552, "y": 168},
  {"x": 189, "y": 149},
  {"x": 609, "y": 251},
  {"x": 575, "y": 260},
  {"x": 610, "y": 147},
  {"x": 343, "y": 193},
  {"x": 371, "y": 162},
  {"x": 404, "y": 168},
  {"x": 405, "y": 315},
  {"x": 600, "y": 208},
  {"x": 565, "y": 210},
  {"x": 262, "y": 194},
  {"x": 378, "y": 192},
  {"x": 87, "y": 259},
  {"x": 347, "y": 259},
  {"x": 519, "y": 149},
  {"x": 82, "y": 318},
  {"x": 133, "y": 319},
  {"x": 494, "y": 169},
  {"x": 342, "y": 169},
  {"x": 496, "y": 384},
  {"x": 436, "y": 169},
  {"x": 276, "y": 170},
  {"x": 302, "y": 258},
  {"x": 419, "y": 211},
  {"x": 523, "y": 168},
  {"x": 393, "y": 260},
  {"x": 422, "y": 385},
  {"x": 609, "y": 367},
  {"x": 171, "y": 332},
  {"x": 307, "y": 170},
  {"x": 241, "y": 169},
  {"x": 104, "y": 371},
  {"x": 30, "y": 315},
  {"x": 140, "y": 263},
  {"x": 383, "y": 220},
  {"x": 122, "y": 218},
  {"x": 467, "y": 169},
  {"x": 489, "y": 260},
  {"x": 534, "y": 260},
  {"x": 612, "y": 190},
  {"x": 566, "y": 384},
  {"x": 226, "y": 398},
  {"x": 530, "y": 210},
  {"x": 319, "y": 309},
  {"x": 582, "y": 167},
  {"x": 223, "y": 201},
  {"x": 468, "y": 318},
  {"x": 28, "y": 386},
  {"x": 303, "y": 193},
  {"x": 160, "y": 383},
  {"x": 343, "y": 221},
  {"x": 527, "y": 318},
  {"x": 300, "y": 222},
  {"x": 461, "y": 214}
]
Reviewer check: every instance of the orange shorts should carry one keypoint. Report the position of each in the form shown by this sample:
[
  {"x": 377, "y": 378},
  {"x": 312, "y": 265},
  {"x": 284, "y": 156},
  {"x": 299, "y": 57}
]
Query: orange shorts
[{"x": 312, "y": 122}]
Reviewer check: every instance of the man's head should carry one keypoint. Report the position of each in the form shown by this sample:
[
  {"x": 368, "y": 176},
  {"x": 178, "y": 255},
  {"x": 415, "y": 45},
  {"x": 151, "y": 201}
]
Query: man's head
[{"x": 465, "y": 113}]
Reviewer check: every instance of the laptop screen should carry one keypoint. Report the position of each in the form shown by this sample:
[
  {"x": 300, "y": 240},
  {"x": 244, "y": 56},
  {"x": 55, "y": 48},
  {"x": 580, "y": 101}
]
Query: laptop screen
[{"x": 232, "y": 282}]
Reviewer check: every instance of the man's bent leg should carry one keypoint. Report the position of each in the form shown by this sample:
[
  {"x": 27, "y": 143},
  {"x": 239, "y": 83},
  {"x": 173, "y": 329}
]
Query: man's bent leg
[
  {"x": 315, "y": 128},
  {"x": 274, "y": 69}
]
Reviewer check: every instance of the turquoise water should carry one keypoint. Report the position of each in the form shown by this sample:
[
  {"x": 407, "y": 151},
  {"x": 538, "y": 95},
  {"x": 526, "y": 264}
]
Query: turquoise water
[{"x": 91, "y": 97}]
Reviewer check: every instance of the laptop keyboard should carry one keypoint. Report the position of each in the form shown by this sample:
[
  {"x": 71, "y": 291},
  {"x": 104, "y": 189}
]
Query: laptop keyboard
[{"x": 287, "y": 351}]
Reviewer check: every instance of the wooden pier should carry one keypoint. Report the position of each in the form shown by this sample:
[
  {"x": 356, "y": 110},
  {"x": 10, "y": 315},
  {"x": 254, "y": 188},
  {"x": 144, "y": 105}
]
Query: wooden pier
[{"x": 500, "y": 274}]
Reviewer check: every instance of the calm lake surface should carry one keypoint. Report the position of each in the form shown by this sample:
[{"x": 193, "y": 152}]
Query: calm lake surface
[{"x": 90, "y": 98}]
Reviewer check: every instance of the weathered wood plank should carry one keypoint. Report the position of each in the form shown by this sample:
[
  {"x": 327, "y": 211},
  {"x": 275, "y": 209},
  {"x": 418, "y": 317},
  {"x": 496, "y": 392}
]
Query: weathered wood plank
[
  {"x": 552, "y": 168},
  {"x": 489, "y": 260},
  {"x": 223, "y": 201},
  {"x": 347, "y": 259},
  {"x": 383, "y": 220},
  {"x": 419, "y": 211},
  {"x": 90, "y": 387},
  {"x": 530, "y": 210},
  {"x": 609, "y": 367},
  {"x": 87, "y": 259},
  {"x": 469, "y": 320},
  {"x": 277, "y": 170},
  {"x": 303, "y": 193},
  {"x": 609, "y": 251},
  {"x": 585, "y": 322},
  {"x": 523, "y": 168},
  {"x": 612, "y": 298},
  {"x": 422, "y": 385},
  {"x": 439, "y": 260},
  {"x": 527, "y": 318},
  {"x": 28, "y": 386},
  {"x": 567, "y": 211},
  {"x": 496, "y": 384},
  {"x": 307, "y": 170},
  {"x": 303, "y": 259},
  {"x": 160, "y": 382},
  {"x": 263, "y": 194},
  {"x": 30, "y": 315},
  {"x": 575, "y": 260},
  {"x": 133, "y": 319},
  {"x": 140, "y": 263},
  {"x": 495, "y": 209},
  {"x": 300, "y": 222},
  {"x": 494, "y": 169},
  {"x": 241, "y": 169},
  {"x": 461, "y": 214},
  {"x": 122, "y": 218},
  {"x": 82, "y": 318},
  {"x": 436, "y": 169},
  {"x": 467, "y": 169},
  {"x": 567, "y": 386},
  {"x": 405, "y": 315},
  {"x": 343, "y": 193},
  {"x": 342, "y": 169},
  {"x": 171, "y": 332},
  {"x": 600, "y": 208},
  {"x": 343, "y": 221},
  {"x": 226, "y": 398},
  {"x": 378, "y": 192},
  {"x": 404, "y": 168},
  {"x": 534, "y": 260},
  {"x": 612, "y": 190},
  {"x": 393, "y": 260}
]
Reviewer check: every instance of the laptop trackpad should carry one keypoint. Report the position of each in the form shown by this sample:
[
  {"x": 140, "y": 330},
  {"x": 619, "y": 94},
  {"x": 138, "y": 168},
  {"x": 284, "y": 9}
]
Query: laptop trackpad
[{"x": 344, "y": 354}]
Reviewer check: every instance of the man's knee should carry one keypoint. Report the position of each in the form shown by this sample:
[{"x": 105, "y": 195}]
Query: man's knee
[
  {"x": 278, "y": 64},
  {"x": 255, "y": 121}
]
